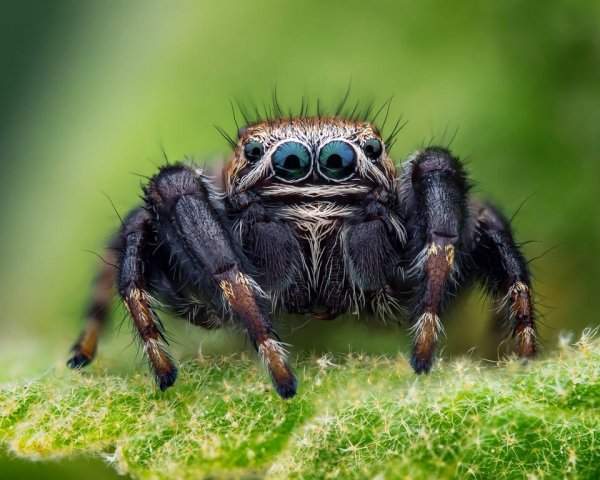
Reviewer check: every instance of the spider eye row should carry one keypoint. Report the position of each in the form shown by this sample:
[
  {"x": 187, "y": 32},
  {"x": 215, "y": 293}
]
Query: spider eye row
[{"x": 292, "y": 161}]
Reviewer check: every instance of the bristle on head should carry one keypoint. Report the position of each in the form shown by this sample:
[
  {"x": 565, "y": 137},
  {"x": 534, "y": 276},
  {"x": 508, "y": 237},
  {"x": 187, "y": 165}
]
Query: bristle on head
[
  {"x": 273, "y": 112},
  {"x": 313, "y": 125}
]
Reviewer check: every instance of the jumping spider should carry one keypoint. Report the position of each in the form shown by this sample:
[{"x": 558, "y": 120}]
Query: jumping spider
[{"x": 312, "y": 217}]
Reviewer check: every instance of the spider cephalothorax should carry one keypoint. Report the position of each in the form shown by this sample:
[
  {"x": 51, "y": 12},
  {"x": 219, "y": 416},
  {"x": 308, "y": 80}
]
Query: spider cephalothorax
[{"x": 312, "y": 218}]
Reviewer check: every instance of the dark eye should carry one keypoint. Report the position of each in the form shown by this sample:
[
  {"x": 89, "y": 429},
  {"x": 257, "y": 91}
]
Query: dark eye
[
  {"x": 337, "y": 161},
  {"x": 291, "y": 161},
  {"x": 372, "y": 148},
  {"x": 253, "y": 151}
]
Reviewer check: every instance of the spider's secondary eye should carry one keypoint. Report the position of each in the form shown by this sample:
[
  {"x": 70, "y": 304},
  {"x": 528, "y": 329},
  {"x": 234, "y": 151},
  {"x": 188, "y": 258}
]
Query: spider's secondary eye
[
  {"x": 372, "y": 148},
  {"x": 291, "y": 161},
  {"x": 337, "y": 161},
  {"x": 253, "y": 151}
]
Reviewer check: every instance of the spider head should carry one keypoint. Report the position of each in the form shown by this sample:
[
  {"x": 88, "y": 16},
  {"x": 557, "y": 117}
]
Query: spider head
[{"x": 293, "y": 155}]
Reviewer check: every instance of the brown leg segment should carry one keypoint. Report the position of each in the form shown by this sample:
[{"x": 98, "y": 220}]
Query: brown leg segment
[
  {"x": 521, "y": 314},
  {"x": 437, "y": 267},
  {"x": 137, "y": 303},
  {"x": 201, "y": 242},
  {"x": 240, "y": 292}
]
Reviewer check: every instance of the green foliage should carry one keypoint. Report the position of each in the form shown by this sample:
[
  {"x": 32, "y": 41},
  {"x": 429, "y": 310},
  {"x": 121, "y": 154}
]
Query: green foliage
[{"x": 356, "y": 416}]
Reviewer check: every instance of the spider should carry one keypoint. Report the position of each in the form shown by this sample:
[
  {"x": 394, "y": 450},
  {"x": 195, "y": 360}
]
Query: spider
[{"x": 310, "y": 216}]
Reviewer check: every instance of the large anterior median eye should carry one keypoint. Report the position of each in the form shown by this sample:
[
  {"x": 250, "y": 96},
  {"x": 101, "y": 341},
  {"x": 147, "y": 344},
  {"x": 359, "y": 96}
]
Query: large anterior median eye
[
  {"x": 291, "y": 161},
  {"x": 337, "y": 161}
]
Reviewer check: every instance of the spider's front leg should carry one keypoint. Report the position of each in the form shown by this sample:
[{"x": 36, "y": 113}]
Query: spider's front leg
[
  {"x": 435, "y": 189},
  {"x": 192, "y": 223}
]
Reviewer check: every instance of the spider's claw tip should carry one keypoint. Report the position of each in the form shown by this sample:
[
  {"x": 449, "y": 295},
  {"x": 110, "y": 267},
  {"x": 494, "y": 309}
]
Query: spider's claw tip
[
  {"x": 167, "y": 379},
  {"x": 420, "y": 365},
  {"x": 78, "y": 360},
  {"x": 287, "y": 389}
]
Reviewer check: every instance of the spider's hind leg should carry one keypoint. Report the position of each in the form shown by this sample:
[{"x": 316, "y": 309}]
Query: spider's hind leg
[
  {"x": 84, "y": 349},
  {"x": 435, "y": 189},
  {"x": 502, "y": 268}
]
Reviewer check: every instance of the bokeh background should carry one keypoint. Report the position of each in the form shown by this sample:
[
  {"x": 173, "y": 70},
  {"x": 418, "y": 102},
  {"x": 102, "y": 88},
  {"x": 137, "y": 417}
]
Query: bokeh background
[{"x": 91, "y": 92}]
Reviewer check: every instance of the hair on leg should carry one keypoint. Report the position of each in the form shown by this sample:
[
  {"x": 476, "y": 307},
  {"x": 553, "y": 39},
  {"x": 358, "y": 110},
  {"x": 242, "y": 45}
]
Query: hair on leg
[
  {"x": 435, "y": 189},
  {"x": 191, "y": 218},
  {"x": 501, "y": 266},
  {"x": 137, "y": 299},
  {"x": 84, "y": 349}
]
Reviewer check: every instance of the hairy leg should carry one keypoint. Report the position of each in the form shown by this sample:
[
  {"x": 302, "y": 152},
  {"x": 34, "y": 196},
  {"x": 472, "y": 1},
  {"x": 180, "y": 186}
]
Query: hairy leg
[
  {"x": 84, "y": 349},
  {"x": 133, "y": 289},
  {"x": 435, "y": 189},
  {"x": 501, "y": 266},
  {"x": 191, "y": 220}
]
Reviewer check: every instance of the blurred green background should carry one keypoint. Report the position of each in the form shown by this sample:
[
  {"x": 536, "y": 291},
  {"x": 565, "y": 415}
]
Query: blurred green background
[{"x": 91, "y": 91}]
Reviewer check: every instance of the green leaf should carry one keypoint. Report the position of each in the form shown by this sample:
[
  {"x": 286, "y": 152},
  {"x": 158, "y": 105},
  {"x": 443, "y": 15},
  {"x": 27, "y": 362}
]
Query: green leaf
[{"x": 355, "y": 416}]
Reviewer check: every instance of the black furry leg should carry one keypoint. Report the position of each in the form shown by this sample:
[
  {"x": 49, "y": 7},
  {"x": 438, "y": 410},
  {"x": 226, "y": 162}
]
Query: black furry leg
[
  {"x": 191, "y": 221},
  {"x": 437, "y": 193},
  {"x": 503, "y": 270},
  {"x": 133, "y": 290}
]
